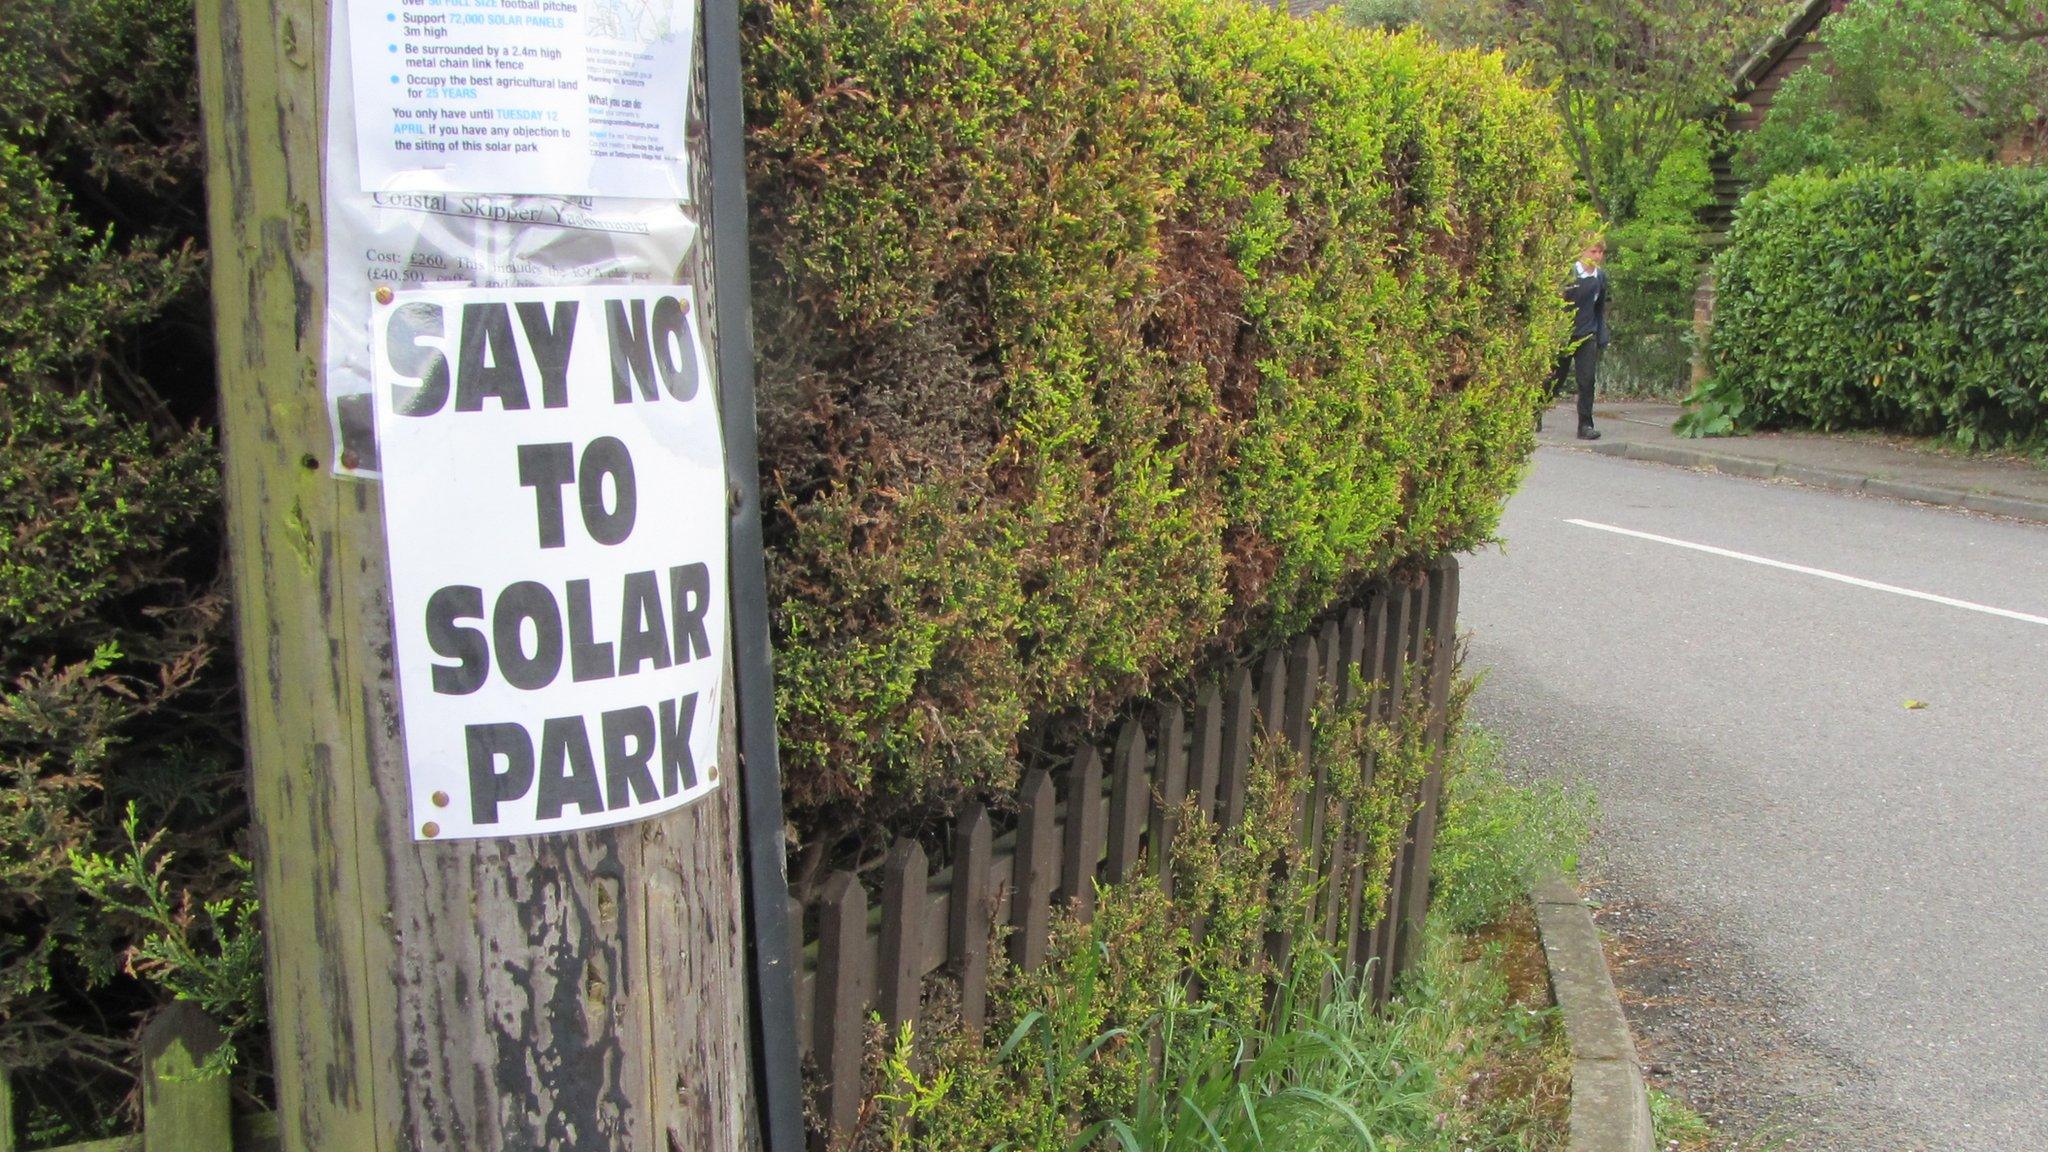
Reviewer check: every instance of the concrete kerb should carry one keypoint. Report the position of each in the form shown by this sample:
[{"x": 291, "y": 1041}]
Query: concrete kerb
[
  {"x": 1610, "y": 1103},
  {"x": 2012, "y": 506}
]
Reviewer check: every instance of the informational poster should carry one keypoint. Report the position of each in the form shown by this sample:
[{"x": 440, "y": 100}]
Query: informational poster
[
  {"x": 512, "y": 192},
  {"x": 554, "y": 501},
  {"x": 535, "y": 97},
  {"x": 424, "y": 234}
]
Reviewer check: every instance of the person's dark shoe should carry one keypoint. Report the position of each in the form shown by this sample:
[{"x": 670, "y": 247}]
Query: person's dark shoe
[{"x": 1588, "y": 432}]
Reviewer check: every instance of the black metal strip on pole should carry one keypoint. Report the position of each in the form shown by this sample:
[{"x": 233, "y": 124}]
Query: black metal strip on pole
[{"x": 777, "y": 1070}]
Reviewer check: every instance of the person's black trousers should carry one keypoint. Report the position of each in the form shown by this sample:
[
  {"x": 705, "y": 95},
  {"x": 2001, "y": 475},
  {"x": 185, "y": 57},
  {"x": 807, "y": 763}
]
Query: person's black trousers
[{"x": 1579, "y": 366}]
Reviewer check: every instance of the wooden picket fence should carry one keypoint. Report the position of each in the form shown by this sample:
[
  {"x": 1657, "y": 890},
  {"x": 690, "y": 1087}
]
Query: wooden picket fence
[
  {"x": 1067, "y": 836},
  {"x": 1101, "y": 821}
]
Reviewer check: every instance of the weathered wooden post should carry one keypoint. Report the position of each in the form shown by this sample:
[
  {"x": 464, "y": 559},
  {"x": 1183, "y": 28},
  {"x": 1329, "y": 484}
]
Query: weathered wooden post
[
  {"x": 433, "y": 985},
  {"x": 182, "y": 1110}
]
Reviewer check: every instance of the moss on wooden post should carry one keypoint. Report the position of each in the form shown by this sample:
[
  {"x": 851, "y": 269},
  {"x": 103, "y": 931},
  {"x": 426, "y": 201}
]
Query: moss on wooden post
[{"x": 183, "y": 1110}]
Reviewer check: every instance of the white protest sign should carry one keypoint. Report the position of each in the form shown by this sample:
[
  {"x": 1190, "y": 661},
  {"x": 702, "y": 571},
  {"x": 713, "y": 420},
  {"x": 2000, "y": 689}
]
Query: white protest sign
[
  {"x": 554, "y": 501},
  {"x": 538, "y": 97}
]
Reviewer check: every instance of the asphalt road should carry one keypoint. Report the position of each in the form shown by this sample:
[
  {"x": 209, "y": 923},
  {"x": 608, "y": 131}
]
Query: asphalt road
[{"x": 1884, "y": 868}]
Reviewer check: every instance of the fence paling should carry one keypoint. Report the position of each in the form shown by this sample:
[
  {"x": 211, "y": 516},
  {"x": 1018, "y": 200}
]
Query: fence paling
[
  {"x": 1356, "y": 926},
  {"x": 1205, "y": 756},
  {"x": 1400, "y": 610},
  {"x": 1419, "y": 601},
  {"x": 902, "y": 953},
  {"x": 1034, "y": 874},
  {"x": 1103, "y": 819},
  {"x": 1281, "y": 712},
  {"x": 1328, "y": 643},
  {"x": 1347, "y": 648},
  {"x": 1171, "y": 762},
  {"x": 1272, "y": 698},
  {"x": 182, "y": 1111},
  {"x": 969, "y": 916},
  {"x": 1328, "y": 810},
  {"x": 1205, "y": 770},
  {"x": 1444, "y": 604},
  {"x": 1082, "y": 841},
  {"x": 1129, "y": 801},
  {"x": 1304, "y": 673},
  {"x": 843, "y": 967},
  {"x": 1404, "y": 931},
  {"x": 1237, "y": 749}
]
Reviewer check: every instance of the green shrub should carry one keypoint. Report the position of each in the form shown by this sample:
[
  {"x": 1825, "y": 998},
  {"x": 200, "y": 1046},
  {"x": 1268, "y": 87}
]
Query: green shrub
[
  {"x": 1139, "y": 1027},
  {"x": 91, "y": 505},
  {"x": 69, "y": 292},
  {"x": 1391, "y": 15},
  {"x": 1497, "y": 837},
  {"x": 1102, "y": 338},
  {"x": 1654, "y": 258},
  {"x": 120, "y": 771},
  {"x": 1888, "y": 298}
]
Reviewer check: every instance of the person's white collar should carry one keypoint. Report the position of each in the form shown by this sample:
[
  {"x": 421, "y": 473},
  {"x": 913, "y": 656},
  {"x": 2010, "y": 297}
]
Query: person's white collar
[{"x": 1579, "y": 266}]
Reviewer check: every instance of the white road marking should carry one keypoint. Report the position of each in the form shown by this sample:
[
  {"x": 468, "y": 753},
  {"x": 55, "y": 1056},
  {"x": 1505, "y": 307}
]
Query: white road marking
[{"x": 1823, "y": 573}]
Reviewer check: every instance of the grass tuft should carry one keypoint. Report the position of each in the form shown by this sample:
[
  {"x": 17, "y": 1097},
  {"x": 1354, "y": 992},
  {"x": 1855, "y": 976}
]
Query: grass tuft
[
  {"x": 1677, "y": 1127},
  {"x": 1498, "y": 836}
]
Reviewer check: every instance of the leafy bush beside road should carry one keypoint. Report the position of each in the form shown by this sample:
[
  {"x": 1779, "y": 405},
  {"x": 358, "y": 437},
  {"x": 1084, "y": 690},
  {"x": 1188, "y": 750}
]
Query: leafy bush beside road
[
  {"x": 1102, "y": 337},
  {"x": 1907, "y": 82},
  {"x": 1887, "y": 298}
]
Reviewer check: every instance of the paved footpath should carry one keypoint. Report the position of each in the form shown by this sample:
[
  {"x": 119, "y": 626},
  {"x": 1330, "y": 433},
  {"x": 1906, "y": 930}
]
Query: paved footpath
[
  {"x": 1861, "y": 462},
  {"x": 1729, "y": 662}
]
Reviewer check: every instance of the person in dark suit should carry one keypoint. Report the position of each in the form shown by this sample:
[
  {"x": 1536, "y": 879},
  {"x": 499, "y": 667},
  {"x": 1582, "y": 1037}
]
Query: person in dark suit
[{"x": 1588, "y": 297}]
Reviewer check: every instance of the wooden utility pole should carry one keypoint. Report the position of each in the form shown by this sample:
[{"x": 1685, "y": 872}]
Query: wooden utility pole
[{"x": 576, "y": 991}]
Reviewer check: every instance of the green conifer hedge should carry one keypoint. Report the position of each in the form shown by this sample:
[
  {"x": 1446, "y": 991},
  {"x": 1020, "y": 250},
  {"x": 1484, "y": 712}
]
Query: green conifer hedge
[{"x": 1101, "y": 336}]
